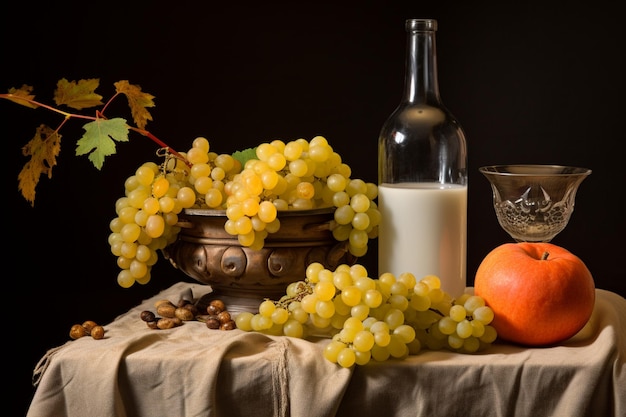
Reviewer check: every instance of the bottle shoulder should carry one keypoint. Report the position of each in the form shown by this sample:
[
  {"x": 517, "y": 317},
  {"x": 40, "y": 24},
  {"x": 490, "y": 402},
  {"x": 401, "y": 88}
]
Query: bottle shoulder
[{"x": 408, "y": 118}]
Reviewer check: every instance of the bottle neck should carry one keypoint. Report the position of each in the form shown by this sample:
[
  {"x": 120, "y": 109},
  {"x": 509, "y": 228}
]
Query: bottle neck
[{"x": 420, "y": 83}]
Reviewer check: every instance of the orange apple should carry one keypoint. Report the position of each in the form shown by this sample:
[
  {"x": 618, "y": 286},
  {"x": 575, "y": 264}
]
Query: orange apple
[{"x": 540, "y": 293}]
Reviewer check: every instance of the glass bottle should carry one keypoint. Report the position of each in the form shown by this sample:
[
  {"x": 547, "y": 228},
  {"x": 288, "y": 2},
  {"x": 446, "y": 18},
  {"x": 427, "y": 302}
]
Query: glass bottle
[{"x": 422, "y": 175}]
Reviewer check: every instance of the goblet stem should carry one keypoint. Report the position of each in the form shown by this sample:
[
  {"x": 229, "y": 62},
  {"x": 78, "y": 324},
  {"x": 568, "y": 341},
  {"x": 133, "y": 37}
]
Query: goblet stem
[{"x": 534, "y": 241}]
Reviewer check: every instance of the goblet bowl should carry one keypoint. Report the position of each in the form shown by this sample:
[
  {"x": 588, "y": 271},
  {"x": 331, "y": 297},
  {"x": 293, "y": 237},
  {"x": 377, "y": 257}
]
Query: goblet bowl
[{"x": 533, "y": 203}]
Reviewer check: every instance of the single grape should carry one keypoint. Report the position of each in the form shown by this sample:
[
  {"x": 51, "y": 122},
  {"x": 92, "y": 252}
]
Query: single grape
[
  {"x": 266, "y": 308},
  {"x": 351, "y": 295},
  {"x": 472, "y": 303},
  {"x": 346, "y": 357},
  {"x": 325, "y": 309},
  {"x": 458, "y": 313},
  {"x": 332, "y": 349},
  {"x": 464, "y": 329},
  {"x": 362, "y": 358},
  {"x": 484, "y": 314},
  {"x": 280, "y": 315},
  {"x": 325, "y": 290},
  {"x": 243, "y": 319},
  {"x": 405, "y": 332},
  {"x": 447, "y": 325},
  {"x": 380, "y": 352}
]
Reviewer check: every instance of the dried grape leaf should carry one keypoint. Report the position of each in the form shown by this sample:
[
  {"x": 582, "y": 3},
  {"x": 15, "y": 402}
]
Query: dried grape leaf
[
  {"x": 99, "y": 139},
  {"x": 138, "y": 101},
  {"x": 78, "y": 95},
  {"x": 43, "y": 149},
  {"x": 24, "y": 91}
]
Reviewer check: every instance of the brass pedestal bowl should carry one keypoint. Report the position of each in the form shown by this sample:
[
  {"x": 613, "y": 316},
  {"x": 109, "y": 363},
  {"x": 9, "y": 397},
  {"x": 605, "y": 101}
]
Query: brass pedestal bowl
[{"x": 243, "y": 277}]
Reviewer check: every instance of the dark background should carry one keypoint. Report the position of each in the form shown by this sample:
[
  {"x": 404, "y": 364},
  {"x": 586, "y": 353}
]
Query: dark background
[{"x": 530, "y": 83}]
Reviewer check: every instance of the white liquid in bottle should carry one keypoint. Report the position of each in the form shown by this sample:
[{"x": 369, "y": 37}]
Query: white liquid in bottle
[{"x": 423, "y": 231}]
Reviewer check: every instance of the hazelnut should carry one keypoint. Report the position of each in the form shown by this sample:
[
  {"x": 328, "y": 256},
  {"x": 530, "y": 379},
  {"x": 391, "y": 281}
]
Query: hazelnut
[
  {"x": 213, "y": 310},
  {"x": 212, "y": 323},
  {"x": 224, "y": 317},
  {"x": 219, "y": 304},
  {"x": 77, "y": 331},
  {"x": 89, "y": 324},
  {"x": 147, "y": 316},
  {"x": 165, "y": 323},
  {"x": 192, "y": 308},
  {"x": 229, "y": 325},
  {"x": 97, "y": 332},
  {"x": 166, "y": 310},
  {"x": 184, "y": 314}
]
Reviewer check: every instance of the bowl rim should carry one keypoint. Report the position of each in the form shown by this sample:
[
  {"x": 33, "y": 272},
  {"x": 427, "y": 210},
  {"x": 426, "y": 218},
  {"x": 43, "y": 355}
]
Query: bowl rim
[
  {"x": 534, "y": 170},
  {"x": 208, "y": 212}
]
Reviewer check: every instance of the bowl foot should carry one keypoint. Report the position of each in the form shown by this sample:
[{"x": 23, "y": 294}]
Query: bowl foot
[{"x": 234, "y": 304}]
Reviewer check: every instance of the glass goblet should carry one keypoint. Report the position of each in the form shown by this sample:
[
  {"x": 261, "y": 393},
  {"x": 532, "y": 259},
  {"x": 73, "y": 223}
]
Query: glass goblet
[{"x": 533, "y": 203}]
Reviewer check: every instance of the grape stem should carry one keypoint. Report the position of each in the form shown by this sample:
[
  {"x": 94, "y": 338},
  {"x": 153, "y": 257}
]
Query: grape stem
[
  {"x": 99, "y": 115},
  {"x": 306, "y": 288},
  {"x": 303, "y": 289}
]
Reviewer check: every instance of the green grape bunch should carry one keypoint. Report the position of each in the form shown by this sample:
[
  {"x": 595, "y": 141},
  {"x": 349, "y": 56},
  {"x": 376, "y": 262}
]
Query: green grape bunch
[
  {"x": 252, "y": 187},
  {"x": 373, "y": 319}
]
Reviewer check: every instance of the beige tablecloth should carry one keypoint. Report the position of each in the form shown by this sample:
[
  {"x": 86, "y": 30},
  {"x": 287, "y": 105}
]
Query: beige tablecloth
[{"x": 193, "y": 371}]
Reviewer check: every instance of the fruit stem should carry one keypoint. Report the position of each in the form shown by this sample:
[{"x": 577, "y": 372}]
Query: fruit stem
[
  {"x": 160, "y": 143},
  {"x": 545, "y": 256},
  {"x": 302, "y": 289}
]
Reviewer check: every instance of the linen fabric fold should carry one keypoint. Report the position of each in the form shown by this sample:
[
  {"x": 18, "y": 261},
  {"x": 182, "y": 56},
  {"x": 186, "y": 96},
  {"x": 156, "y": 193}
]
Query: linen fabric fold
[{"x": 191, "y": 370}]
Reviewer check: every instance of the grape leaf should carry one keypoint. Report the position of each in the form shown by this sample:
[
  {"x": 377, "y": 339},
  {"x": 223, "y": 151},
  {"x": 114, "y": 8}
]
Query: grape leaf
[
  {"x": 98, "y": 140},
  {"x": 79, "y": 95},
  {"x": 245, "y": 155},
  {"x": 43, "y": 149},
  {"x": 137, "y": 101},
  {"x": 25, "y": 92}
]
